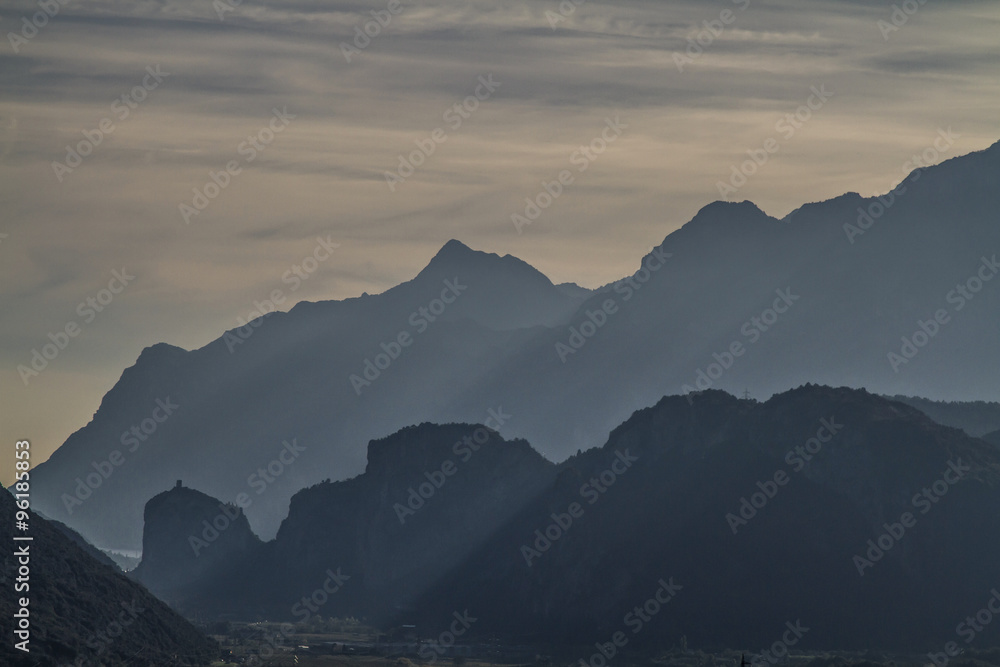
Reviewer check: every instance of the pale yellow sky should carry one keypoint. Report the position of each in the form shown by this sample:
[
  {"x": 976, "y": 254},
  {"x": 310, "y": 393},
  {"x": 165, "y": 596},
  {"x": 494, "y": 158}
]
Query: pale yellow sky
[{"x": 323, "y": 174}]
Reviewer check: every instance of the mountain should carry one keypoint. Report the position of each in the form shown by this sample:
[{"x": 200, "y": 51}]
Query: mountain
[
  {"x": 835, "y": 510},
  {"x": 190, "y": 537},
  {"x": 236, "y": 404},
  {"x": 801, "y": 299},
  {"x": 82, "y": 542},
  {"x": 976, "y": 418},
  {"x": 81, "y": 609},
  {"x": 993, "y": 437},
  {"x": 429, "y": 496},
  {"x": 890, "y": 293},
  {"x": 723, "y": 500}
]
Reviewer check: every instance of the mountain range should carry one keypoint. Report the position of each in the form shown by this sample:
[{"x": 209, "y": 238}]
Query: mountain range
[
  {"x": 893, "y": 294},
  {"x": 844, "y": 513}
]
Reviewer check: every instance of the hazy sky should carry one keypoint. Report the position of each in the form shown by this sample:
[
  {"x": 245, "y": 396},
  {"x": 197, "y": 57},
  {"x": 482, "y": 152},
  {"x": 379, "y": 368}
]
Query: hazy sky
[{"x": 555, "y": 71}]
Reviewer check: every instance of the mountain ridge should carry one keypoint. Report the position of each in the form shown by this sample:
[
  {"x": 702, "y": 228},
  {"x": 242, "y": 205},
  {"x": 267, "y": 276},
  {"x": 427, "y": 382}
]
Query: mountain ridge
[
  {"x": 668, "y": 507},
  {"x": 505, "y": 336}
]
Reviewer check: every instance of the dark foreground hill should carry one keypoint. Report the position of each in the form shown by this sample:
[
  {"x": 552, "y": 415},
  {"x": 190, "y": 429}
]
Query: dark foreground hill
[
  {"x": 85, "y": 612},
  {"x": 82, "y": 542},
  {"x": 715, "y": 519}
]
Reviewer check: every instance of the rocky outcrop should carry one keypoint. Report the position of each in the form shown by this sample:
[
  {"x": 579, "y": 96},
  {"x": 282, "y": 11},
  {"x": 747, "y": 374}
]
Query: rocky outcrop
[
  {"x": 189, "y": 538},
  {"x": 82, "y": 611},
  {"x": 855, "y": 514}
]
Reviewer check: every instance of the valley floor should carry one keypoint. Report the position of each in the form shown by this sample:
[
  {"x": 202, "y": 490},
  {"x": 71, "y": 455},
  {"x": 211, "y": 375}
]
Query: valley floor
[{"x": 261, "y": 644}]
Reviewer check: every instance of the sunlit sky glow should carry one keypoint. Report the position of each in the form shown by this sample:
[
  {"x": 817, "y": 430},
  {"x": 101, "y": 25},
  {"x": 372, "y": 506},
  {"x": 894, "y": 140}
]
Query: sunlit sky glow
[{"x": 323, "y": 174}]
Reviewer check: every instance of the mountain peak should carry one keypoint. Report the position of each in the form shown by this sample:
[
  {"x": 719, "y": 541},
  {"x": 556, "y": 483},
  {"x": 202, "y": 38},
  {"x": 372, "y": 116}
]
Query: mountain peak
[
  {"x": 453, "y": 249},
  {"x": 728, "y": 214},
  {"x": 455, "y": 255},
  {"x": 721, "y": 217},
  {"x": 719, "y": 207}
]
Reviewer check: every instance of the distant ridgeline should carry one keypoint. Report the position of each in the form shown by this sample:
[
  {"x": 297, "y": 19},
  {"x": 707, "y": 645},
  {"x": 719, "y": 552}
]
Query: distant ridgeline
[
  {"x": 891, "y": 293},
  {"x": 851, "y": 517}
]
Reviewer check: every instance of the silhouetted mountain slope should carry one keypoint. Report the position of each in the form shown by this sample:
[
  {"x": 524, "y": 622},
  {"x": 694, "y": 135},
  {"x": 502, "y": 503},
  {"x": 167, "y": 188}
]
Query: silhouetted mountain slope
[
  {"x": 976, "y": 418},
  {"x": 993, "y": 437},
  {"x": 735, "y": 299},
  {"x": 745, "y": 514},
  {"x": 291, "y": 378},
  {"x": 429, "y": 496},
  {"x": 81, "y": 542},
  {"x": 83, "y": 609},
  {"x": 791, "y": 558},
  {"x": 848, "y": 303}
]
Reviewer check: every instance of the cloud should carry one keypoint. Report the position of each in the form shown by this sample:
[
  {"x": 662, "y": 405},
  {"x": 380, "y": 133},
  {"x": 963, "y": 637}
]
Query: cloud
[{"x": 325, "y": 174}]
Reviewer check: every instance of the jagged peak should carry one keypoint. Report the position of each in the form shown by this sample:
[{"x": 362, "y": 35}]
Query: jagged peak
[
  {"x": 454, "y": 249},
  {"x": 159, "y": 350},
  {"x": 726, "y": 216},
  {"x": 455, "y": 255},
  {"x": 727, "y": 208}
]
